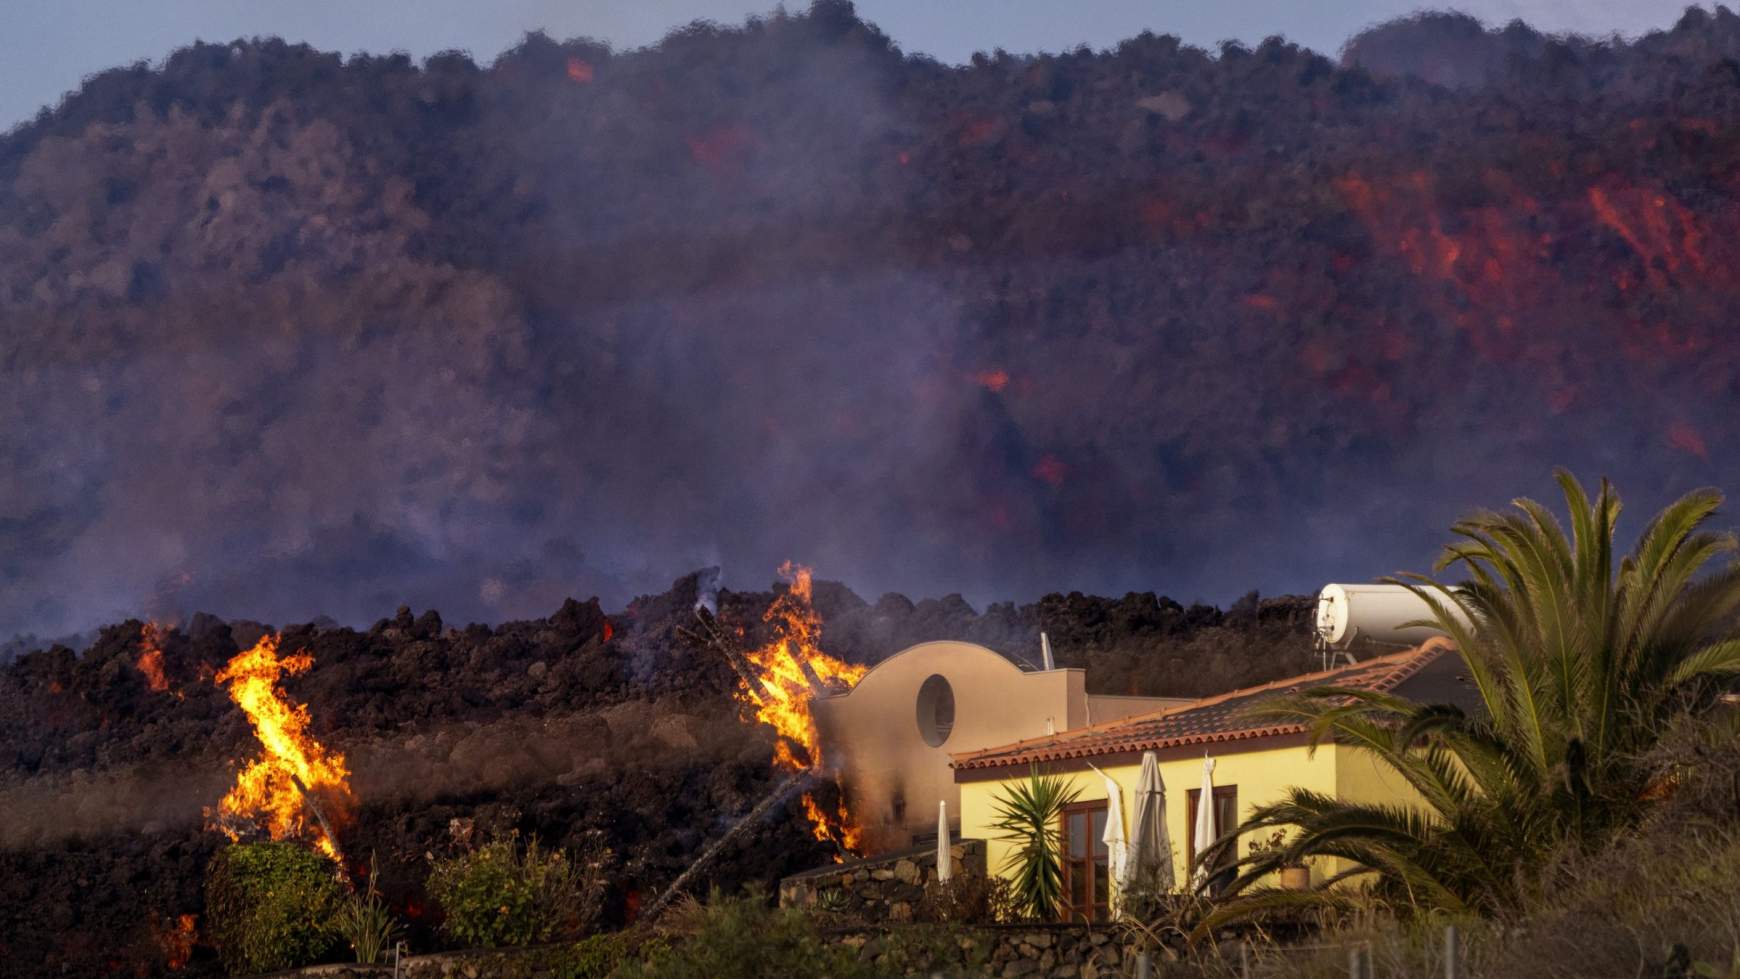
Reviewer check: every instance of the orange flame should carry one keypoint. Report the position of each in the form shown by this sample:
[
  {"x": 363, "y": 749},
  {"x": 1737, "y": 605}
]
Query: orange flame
[
  {"x": 177, "y": 942},
  {"x": 150, "y": 661},
  {"x": 266, "y": 790},
  {"x": 793, "y": 670}
]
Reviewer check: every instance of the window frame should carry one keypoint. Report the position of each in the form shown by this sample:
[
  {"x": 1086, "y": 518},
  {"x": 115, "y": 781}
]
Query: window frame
[{"x": 1095, "y": 911}]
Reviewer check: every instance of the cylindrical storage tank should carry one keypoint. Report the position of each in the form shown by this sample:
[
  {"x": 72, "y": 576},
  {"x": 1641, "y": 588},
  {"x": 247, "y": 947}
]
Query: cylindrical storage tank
[{"x": 1376, "y": 613}]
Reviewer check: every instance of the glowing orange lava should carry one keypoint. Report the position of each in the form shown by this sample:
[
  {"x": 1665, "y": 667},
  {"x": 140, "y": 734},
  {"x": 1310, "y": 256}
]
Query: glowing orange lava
[
  {"x": 177, "y": 942},
  {"x": 270, "y": 789},
  {"x": 993, "y": 380},
  {"x": 793, "y": 670},
  {"x": 150, "y": 661}
]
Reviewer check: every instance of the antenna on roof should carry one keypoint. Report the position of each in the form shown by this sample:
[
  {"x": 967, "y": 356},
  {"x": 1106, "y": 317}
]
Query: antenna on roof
[{"x": 1045, "y": 659}]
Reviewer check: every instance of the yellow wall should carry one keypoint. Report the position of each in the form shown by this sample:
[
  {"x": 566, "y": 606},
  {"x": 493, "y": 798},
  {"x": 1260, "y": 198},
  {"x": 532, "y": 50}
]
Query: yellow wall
[{"x": 1262, "y": 775}]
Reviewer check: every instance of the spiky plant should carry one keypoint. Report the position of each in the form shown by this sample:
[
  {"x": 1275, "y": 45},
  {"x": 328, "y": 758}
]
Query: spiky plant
[
  {"x": 1578, "y": 665},
  {"x": 365, "y": 921},
  {"x": 1029, "y": 815}
]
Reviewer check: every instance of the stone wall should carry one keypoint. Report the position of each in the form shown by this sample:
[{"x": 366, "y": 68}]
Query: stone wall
[
  {"x": 998, "y": 951},
  {"x": 882, "y": 888},
  {"x": 537, "y": 962}
]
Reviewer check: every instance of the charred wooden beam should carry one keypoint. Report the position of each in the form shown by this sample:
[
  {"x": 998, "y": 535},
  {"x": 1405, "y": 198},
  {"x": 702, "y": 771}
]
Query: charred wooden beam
[{"x": 707, "y": 633}]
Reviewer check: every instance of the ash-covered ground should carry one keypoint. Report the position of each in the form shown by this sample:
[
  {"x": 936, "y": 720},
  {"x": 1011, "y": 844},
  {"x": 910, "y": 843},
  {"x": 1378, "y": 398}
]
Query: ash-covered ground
[{"x": 584, "y": 728}]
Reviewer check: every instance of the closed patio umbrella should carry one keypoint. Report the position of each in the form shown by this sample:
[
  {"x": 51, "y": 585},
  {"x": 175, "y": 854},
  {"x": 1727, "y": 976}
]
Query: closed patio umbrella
[
  {"x": 1117, "y": 853},
  {"x": 1205, "y": 828},
  {"x": 1150, "y": 854},
  {"x": 944, "y": 859}
]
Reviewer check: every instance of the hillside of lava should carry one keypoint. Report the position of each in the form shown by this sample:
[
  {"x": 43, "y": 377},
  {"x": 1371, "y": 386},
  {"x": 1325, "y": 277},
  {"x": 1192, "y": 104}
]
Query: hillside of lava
[
  {"x": 589, "y": 730},
  {"x": 300, "y": 333}
]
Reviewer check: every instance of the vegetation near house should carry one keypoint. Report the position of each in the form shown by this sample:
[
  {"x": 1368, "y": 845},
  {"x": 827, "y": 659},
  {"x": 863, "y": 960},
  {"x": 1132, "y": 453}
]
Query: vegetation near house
[
  {"x": 271, "y": 906},
  {"x": 1028, "y": 814},
  {"x": 743, "y": 938},
  {"x": 366, "y": 922},
  {"x": 1581, "y": 666},
  {"x": 503, "y": 893}
]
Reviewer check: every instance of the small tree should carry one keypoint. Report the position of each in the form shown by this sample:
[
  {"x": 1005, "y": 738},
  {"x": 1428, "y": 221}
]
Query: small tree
[
  {"x": 1028, "y": 814},
  {"x": 271, "y": 906}
]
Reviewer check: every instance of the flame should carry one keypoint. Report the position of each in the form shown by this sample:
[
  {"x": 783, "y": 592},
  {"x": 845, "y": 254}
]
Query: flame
[
  {"x": 177, "y": 942},
  {"x": 266, "y": 790},
  {"x": 579, "y": 71},
  {"x": 838, "y": 827},
  {"x": 792, "y": 670},
  {"x": 150, "y": 661}
]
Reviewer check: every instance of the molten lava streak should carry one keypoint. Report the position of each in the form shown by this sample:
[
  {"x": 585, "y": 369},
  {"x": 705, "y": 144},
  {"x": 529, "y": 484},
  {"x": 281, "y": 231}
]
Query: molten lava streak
[
  {"x": 270, "y": 789},
  {"x": 150, "y": 661},
  {"x": 793, "y": 670},
  {"x": 177, "y": 942}
]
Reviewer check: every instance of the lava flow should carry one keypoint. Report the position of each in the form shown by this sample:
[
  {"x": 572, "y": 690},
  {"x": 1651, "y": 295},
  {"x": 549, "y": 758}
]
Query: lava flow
[
  {"x": 150, "y": 661},
  {"x": 177, "y": 941},
  {"x": 271, "y": 789},
  {"x": 793, "y": 670}
]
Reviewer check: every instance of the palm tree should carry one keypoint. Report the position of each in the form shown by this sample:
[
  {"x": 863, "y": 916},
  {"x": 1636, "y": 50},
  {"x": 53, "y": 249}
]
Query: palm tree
[
  {"x": 1578, "y": 667},
  {"x": 1029, "y": 814}
]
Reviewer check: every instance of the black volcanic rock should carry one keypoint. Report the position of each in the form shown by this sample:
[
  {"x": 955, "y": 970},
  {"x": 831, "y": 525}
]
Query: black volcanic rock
[
  {"x": 293, "y": 334},
  {"x": 546, "y": 726}
]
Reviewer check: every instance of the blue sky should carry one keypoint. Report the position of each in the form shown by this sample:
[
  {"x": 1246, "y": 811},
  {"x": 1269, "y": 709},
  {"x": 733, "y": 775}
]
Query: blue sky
[{"x": 47, "y": 46}]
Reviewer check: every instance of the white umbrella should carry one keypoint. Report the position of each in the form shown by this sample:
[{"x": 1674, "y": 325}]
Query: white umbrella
[
  {"x": 944, "y": 859},
  {"x": 1150, "y": 854},
  {"x": 1205, "y": 834},
  {"x": 1117, "y": 853}
]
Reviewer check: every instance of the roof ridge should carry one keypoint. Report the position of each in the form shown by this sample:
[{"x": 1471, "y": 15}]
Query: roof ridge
[{"x": 1401, "y": 665}]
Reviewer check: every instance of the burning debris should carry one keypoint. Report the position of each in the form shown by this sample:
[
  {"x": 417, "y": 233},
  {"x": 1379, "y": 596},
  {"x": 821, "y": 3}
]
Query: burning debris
[
  {"x": 295, "y": 776},
  {"x": 780, "y": 679},
  {"x": 790, "y": 672}
]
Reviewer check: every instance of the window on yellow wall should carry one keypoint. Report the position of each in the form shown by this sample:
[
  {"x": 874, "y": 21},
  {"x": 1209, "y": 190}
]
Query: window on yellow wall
[
  {"x": 1086, "y": 877},
  {"x": 1226, "y": 818}
]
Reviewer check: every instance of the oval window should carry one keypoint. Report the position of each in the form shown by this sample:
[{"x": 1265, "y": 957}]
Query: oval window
[{"x": 936, "y": 710}]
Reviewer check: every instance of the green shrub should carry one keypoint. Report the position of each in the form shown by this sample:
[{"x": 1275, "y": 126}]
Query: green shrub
[
  {"x": 743, "y": 938},
  {"x": 271, "y": 906},
  {"x": 503, "y": 894},
  {"x": 593, "y": 957}
]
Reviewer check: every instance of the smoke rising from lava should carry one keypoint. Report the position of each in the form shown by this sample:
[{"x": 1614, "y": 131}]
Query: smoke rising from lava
[{"x": 1139, "y": 320}]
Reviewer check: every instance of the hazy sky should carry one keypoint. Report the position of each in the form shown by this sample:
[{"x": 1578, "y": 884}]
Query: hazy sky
[{"x": 47, "y": 46}]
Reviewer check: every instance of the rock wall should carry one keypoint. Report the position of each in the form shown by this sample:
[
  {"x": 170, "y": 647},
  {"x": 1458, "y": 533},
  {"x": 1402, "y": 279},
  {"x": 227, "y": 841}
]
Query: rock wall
[
  {"x": 884, "y": 888},
  {"x": 1003, "y": 951}
]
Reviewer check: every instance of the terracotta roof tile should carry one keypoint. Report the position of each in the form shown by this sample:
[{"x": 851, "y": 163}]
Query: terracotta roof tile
[{"x": 1207, "y": 721}]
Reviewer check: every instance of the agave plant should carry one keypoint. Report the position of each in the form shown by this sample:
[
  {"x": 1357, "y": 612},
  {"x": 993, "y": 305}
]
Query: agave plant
[
  {"x": 1578, "y": 664},
  {"x": 1029, "y": 815}
]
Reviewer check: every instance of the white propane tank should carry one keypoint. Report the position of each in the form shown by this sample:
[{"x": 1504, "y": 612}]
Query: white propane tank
[{"x": 1375, "y": 613}]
